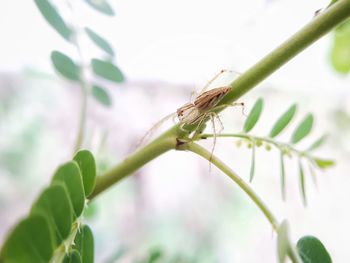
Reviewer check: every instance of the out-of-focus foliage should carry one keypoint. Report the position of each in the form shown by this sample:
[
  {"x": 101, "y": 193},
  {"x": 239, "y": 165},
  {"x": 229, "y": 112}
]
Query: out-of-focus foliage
[
  {"x": 340, "y": 52},
  {"x": 50, "y": 223},
  {"x": 311, "y": 250},
  {"x": 302, "y": 130}
]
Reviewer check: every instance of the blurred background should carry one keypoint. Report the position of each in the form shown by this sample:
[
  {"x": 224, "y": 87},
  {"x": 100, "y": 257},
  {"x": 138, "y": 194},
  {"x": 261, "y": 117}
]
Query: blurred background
[{"x": 175, "y": 205}]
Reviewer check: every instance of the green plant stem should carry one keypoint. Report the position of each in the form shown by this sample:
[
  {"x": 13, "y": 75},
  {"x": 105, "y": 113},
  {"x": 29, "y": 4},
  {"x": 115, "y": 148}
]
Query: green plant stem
[
  {"x": 136, "y": 160},
  {"x": 84, "y": 86},
  {"x": 195, "y": 148},
  {"x": 279, "y": 145},
  {"x": 318, "y": 27},
  {"x": 82, "y": 117}
]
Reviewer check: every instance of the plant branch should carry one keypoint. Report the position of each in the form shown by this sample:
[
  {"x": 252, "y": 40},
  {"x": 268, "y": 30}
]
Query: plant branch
[
  {"x": 195, "y": 148},
  {"x": 318, "y": 27},
  {"x": 280, "y": 145},
  {"x": 135, "y": 161},
  {"x": 84, "y": 85}
]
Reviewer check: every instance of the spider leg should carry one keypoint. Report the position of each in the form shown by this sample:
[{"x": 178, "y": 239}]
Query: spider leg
[
  {"x": 149, "y": 133},
  {"x": 213, "y": 79},
  {"x": 212, "y": 116},
  {"x": 233, "y": 104}
]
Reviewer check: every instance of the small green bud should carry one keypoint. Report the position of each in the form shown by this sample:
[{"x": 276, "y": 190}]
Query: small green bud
[
  {"x": 267, "y": 147},
  {"x": 258, "y": 143}
]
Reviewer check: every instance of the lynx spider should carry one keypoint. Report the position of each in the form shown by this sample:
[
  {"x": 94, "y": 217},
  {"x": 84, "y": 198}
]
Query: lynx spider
[{"x": 201, "y": 108}]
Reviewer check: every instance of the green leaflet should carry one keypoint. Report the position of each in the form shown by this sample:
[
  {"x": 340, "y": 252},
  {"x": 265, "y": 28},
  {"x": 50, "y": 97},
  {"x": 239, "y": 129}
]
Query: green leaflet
[
  {"x": 285, "y": 248},
  {"x": 101, "y": 95},
  {"x": 283, "y": 121},
  {"x": 283, "y": 176},
  {"x": 324, "y": 163},
  {"x": 340, "y": 52},
  {"x": 303, "y": 129},
  {"x": 312, "y": 250},
  {"x": 99, "y": 41},
  {"x": 65, "y": 66},
  {"x": 84, "y": 243},
  {"x": 107, "y": 70},
  {"x": 73, "y": 257},
  {"x": 32, "y": 240},
  {"x": 51, "y": 15},
  {"x": 253, "y": 116},
  {"x": 87, "y": 166},
  {"x": 102, "y": 6},
  {"x": 302, "y": 182},
  {"x": 70, "y": 175},
  {"x": 55, "y": 206},
  {"x": 318, "y": 143}
]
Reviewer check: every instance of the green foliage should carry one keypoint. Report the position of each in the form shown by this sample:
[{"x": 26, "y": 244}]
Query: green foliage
[
  {"x": 69, "y": 174},
  {"x": 253, "y": 116},
  {"x": 55, "y": 206},
  {"x": 32, "y": 240},
  {"x": 283, "y": 242},
  {"x": 101, "y": 95},
  {"x": 285, "y": 248},
  {"x": 65, "y": 66},
  {"x": 283, "y": 121},
  {"x": 252, "y": 166},
  {"x": 302, "y": 182},
  {"x": 52, "y": 16},
  {"x": 318, "y": 143},
  {"x": 107, "y": 70},
  {"x": 311, "y": 250},
  {"x": 323, "y": 163},
  {"x": 87, "y": 166},
  {"x": 50, "y": 223},
  {"x": 99, "y": 41},
  {"x": 84, "y": 243},
  {"x": 155, "y": 255},
  {"x": 303, "y": 129},
  {"x": 286, "y": 149},
  {"x": 340, "y": 52},
  {"x": 73, "y": 257},
  {"x": 102, "y": 6},
  {"x": 283, "y": 176}
]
